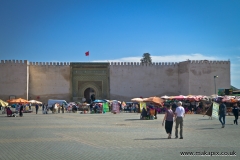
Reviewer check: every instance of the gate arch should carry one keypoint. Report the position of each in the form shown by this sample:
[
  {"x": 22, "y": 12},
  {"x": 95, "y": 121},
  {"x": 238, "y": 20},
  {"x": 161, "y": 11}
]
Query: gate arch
[{"x": 97, "y": 90}]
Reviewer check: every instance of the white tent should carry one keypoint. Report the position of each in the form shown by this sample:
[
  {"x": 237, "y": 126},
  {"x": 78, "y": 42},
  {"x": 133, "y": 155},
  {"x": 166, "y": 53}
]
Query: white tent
[{"x": 35, "y": 101}]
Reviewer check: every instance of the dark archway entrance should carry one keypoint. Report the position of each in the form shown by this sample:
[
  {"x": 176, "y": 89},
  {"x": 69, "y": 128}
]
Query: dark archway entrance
[{"x": 87, "y": 94}]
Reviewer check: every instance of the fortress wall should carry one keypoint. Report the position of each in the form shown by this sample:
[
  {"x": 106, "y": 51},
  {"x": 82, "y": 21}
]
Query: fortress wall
[
  {"x": 43, "y": 81},
  {"x": 49, "y": 81},
  {"x": 129, "y": 80},
  {"x": 183, "y": 78},
  {"x": 201, "y": 76},
  {"x": 13, "y": 79}
]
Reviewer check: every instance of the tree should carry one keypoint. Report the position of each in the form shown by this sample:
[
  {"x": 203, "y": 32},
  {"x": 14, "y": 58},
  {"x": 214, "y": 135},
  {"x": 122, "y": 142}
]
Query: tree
[{"x": 146, "y": 58}]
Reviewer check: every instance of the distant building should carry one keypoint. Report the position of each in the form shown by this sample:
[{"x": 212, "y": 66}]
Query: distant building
[{"x": 115, "y": 80}]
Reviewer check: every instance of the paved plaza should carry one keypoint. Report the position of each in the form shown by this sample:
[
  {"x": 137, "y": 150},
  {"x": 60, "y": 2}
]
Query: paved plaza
[{"x": 112, "y": 136}]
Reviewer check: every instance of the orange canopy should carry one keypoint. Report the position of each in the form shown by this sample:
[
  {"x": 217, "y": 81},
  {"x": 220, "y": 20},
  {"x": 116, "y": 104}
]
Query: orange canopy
[
  {"x": 156, "y": 100},
  {"x": 19, "y": 100}
]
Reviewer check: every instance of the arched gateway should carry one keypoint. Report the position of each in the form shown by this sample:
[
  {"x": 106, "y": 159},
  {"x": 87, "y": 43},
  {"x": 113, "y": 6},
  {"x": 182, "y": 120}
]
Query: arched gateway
[{"x": 90, "y": 78}]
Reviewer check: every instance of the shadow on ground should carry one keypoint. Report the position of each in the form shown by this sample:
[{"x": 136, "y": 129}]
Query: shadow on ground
[
  {"x": 132, "y": 119},
  {"x": 152, "y": 139},
  {"x": 205, "y": 128}
]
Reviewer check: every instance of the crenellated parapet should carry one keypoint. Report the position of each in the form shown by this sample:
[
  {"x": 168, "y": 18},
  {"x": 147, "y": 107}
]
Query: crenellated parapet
[
  {"x": 14, "y": 61},
  {"x": 34, "y": 63},
  {"x": 209, "y": 61},
  {"x": 114, "y": 63},
  {"x": 49, "y": 63},
  {"x": 143, "y": 64}
]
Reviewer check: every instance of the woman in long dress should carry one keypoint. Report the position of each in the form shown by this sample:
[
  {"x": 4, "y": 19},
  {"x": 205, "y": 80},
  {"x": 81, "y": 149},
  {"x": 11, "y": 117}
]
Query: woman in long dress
[{"x": 168, "y": 118}]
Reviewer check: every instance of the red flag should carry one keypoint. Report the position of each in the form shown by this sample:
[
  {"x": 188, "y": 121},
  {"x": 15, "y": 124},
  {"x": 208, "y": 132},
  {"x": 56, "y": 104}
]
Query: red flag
[{"x": 87, "y": 53}]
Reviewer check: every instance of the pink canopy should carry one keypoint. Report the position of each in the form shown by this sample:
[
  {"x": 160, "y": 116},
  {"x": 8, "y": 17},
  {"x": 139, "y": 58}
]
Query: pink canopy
[
  {"x": 192, "y": 98},
  {"x": 180, "y": 97}
]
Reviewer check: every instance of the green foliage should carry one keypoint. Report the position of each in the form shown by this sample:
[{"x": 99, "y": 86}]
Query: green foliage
[
  {"x": 146, "y": 58},
  {"x": 234, "y": 88}
]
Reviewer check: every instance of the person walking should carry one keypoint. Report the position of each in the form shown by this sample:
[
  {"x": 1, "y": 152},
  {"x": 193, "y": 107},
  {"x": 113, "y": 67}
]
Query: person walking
[
  {"x": 222, "y": 112},
  {"x": 62, "y": 108},
  {"x": 36, "y": 108},
  {"x": 235, "y": 111},
  {"x": 58, "y": 108},
  {"x": 21, "y": 111},
  {"x": 179, "y": 114},
  {"x": 168, "y": 118},
  {"x": 43, "y": 108},
  {"x": 174, "y": 106},
  {"x": 53, "y": 108},
  {"x": 46, "y": 109}
]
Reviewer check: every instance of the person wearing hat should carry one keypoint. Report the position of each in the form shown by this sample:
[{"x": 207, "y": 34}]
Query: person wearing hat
[{"x": 222, "y": 112}]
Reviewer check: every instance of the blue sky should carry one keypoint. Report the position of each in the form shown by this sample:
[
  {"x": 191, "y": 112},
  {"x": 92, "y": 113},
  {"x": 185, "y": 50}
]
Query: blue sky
[{"x": 121, "y": 30}]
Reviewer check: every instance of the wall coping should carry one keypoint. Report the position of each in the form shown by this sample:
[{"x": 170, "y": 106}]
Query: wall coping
[{"x": 116, "y": 63}]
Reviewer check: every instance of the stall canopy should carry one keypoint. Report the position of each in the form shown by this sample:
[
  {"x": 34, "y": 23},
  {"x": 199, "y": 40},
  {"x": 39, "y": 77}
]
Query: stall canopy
[
  {"x": 19, "y": 100},
  {"x": 137, "y": 100},
  {"x": 99, "y": 101},
  {"x": 35, "y": 101},
  {"x": 156, "y": 100},
  {"x": 180, "y": 97},
  {"x": 3, "y": 103},
  {"x": 165, "y": 97},
  {"x": 193, "y": 98},
  {"x": 230, "y": 99}
]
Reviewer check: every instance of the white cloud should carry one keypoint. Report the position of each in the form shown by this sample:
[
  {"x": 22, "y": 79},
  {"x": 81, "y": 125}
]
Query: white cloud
[{"x": 167, "y": 58}]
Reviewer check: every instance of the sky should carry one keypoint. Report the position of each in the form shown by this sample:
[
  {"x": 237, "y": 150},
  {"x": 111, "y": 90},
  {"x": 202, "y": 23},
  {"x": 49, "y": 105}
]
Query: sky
[{"x": 121, "y": 31}]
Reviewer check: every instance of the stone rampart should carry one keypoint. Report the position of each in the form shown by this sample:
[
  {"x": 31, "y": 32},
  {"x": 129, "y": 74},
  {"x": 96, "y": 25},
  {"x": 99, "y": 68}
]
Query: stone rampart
[
  {"x": 210, "y": 62},
  {"x": 14, "y": 79},
  {"x": 201, "y": 76},
  {"x": 143, "y": 64},
  {"x": 45, "y": 80},
  {"x": 49, "y": 81},
  {"x": 51, "y": 63},
  {"x": 128, "y": 80}
]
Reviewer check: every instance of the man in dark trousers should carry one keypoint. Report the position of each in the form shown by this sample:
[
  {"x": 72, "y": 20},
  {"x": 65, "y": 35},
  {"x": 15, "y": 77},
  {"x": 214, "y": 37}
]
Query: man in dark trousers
[
  {"x": 222, "y": 112},
  {"x": 36, "y": 108},
  {"x": 235, "y": 111}
]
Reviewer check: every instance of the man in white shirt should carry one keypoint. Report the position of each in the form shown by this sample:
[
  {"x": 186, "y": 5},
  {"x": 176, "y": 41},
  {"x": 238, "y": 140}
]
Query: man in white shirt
[{"x": 179, "y": 114}]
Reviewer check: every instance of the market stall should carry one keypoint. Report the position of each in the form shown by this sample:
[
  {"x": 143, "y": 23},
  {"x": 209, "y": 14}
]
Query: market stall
[
  {"x": 83, "y": 107},
  {"x": 15, "y": 102},
  {"x": 115, "y": 105}
]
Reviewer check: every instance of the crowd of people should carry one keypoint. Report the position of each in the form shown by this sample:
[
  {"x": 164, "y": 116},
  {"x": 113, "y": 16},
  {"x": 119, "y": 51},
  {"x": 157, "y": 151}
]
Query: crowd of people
[
  {"x": 174, "y": 112},
  {"x": 177, "y": 114}
]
